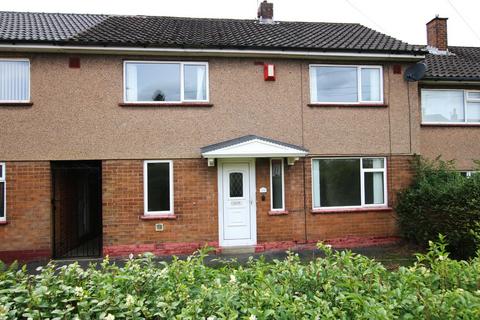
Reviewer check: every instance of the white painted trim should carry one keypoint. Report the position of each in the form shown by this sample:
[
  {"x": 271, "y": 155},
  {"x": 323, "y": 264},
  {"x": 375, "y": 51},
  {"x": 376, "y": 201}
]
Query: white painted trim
[
  {"x": 145, "y": 187},
  {"x": 182, "y": 84},
  {"x": 359, "y": 83},
  {"x": 466, "y": 100},
  {"x": 229, "y": 151},
  {"x": 29, "y": 80},
  {"x": 253, "y": 202},
  {"x": 3, "y": 179},
  {"x": 282, "y": 161},
  {"x": 211, "y": 52},
  {"x": 362, "y": 186}
]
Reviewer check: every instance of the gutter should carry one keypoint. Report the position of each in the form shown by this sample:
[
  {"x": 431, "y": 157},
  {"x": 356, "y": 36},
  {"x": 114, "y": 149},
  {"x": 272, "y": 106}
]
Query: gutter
[
  {"x": 451, "y": 80},
  {"x": 209, "y": 52}
]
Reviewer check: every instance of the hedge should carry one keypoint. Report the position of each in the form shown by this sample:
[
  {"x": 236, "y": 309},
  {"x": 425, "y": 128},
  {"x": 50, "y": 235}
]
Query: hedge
[
  {"x": 441, "y": 201},
  {"x": 340, "y": 285}
]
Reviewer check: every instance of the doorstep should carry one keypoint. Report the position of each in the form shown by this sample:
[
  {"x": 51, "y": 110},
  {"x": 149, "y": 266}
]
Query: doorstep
[{"x": 237, "y": 250}]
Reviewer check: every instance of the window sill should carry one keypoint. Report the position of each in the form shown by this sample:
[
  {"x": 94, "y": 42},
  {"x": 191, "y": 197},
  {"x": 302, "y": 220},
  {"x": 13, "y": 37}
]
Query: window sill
[
  {"x": 158, "y": 217},
  {"x": 450, "y": 124},
  {"x": 277, "y": 212},
  {"x": 2, "y": 223},
  {"x": 16, "y": 104},
  {"x": 348, "y": 105},
  {"x": 173, "y": 104},
  {"x": 350, "y": 210}
]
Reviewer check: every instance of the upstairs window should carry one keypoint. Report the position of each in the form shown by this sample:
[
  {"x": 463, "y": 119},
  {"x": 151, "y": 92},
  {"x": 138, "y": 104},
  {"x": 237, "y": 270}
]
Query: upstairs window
[
  {"x": 450, "y": 106},
  {"x": 165, "y": 82},
  {"x": 14, "y": 80},
  {"x": 3, "y": 201},
  {"x": 348, "y": 182},
  {"x": 332, "y": 84}
]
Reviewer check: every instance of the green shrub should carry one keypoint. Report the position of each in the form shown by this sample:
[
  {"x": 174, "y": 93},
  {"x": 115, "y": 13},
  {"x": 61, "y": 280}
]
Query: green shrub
[
  {"x": 441, "y": 201},
  {"x": 342, "y": 285}
]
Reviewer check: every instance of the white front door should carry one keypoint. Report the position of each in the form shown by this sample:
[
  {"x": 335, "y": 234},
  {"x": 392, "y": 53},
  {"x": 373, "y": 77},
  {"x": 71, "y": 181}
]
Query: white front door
[{"x": 237, "y": 205}]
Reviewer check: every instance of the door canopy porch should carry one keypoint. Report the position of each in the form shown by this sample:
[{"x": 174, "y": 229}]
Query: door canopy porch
[{"x": 253, "y": 146}]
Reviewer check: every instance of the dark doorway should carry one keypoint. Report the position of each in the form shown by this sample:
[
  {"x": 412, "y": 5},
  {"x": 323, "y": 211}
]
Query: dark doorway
[{"x": 77, "y": 209}]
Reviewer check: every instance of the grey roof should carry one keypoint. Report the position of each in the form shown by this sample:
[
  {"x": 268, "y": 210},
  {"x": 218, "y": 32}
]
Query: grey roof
[
  {"x": 44, "y": 27},
  {"x": 462, "y": 64},
  {"x": 250, "y": 137},
  {"x": 153, "y": 31}
]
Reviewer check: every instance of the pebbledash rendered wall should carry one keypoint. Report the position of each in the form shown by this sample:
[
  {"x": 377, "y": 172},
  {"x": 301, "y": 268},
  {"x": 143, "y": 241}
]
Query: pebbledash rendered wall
[{"x": 27, "y": 235}]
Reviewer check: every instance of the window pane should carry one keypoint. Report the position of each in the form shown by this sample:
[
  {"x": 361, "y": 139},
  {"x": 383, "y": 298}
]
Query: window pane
[
  {"x": 195, "y": 82},
  {"x": 2, "y": 199},
  {"x": 373, "y": 163},
  {"x": 374, "y": 188},
  {"x": 334, "y": 84},
  {"x": 442, "y": 106},
  {"x": 236, "y": 185},
  {"x": 277, "y": 184},
  {"x": 153, "y": 82},
  {"x": 158, "y": 186},
  {"x": 473, "y": 112},
  {"x": 370, "y": 84},
  {"x": 473, "y": 95},
  {"x": 14, "y": 80},
  {"x": 339, "y": 182}
]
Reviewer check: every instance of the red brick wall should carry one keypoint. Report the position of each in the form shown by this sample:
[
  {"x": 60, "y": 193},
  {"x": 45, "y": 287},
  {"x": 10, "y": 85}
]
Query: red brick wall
[
  {"x": 288, "y": 227},
  {"x": 360, "y": 223},
  {"x": 437, "y": 33},
  {"x": 27, "y": 234},
  {"x": 195, "y": 208}
]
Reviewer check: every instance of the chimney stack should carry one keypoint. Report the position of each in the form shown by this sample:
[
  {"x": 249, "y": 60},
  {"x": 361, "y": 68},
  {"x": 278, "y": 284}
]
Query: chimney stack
[
  {"x": 437, "y": 33},
  {"x": 265, "y": 12}
]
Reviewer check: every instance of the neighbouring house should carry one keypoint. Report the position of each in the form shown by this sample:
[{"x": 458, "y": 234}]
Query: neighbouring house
[
  {"x": 450, "y": 100},
  {"x": 127, "y": 134}
]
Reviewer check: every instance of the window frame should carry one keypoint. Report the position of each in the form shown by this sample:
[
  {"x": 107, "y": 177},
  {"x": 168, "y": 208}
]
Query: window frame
[
  {"x": 359, "y": 84},
  {"x": 29, "y": 79},
  {"x": 469, "y": 173},
  {"x": 283, "y": 185},
  {"x": 146, "y": 212},
  {"x": 465, "y": 109},
  {"x": 182, "y": 81},
  {"x": 362, "y": 184},
  {"x": 3, "y": 179}
]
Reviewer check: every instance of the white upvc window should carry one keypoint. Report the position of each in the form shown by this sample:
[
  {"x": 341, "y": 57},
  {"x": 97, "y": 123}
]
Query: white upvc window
[
  {"x": 165, "y": 82},
  {"x": 468, "y": 174},
  {"x": 349, "y": 182},
  {"x": 3, "y": 191},
  {"x": 14, "y": 80},
  {"x": 158, "y": 187},
  {"x": 346, "y": 84},
  {"x": 450, "y": 106},
  {"x": 277, "y": 184}
]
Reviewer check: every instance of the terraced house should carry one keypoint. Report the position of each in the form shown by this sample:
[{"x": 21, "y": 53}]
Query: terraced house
[{"x": 126, "y": 134}]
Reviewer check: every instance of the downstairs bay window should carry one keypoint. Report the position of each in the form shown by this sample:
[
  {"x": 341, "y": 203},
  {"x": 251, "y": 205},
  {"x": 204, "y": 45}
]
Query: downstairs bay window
[
  {"x": 349, "y": 182},
  {"x": 165, "y": 82},
  {"x": 158, "y": 187}
]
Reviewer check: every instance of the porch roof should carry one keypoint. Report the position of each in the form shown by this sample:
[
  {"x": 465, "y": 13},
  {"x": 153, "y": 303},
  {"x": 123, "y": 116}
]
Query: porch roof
[{"x": 252, "y": 146}]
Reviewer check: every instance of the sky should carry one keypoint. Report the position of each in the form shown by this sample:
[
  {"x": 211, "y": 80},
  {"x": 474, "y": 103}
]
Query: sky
[{"x": 402, "y": 19}]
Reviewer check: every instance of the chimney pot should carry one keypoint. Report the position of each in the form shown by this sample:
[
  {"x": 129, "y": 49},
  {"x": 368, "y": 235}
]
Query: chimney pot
[
  {"x": 437, "y": 33},
  {"x": 265, "y": 12}
]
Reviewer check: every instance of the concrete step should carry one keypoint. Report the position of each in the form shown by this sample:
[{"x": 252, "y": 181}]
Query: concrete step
[{"x": 238, "y": 250}]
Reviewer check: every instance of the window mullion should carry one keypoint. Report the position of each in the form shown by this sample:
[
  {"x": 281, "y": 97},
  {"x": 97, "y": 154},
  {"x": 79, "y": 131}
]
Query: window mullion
[
  {"x": 465, "y": 109},
  {"x": 182, "y": 82},
  {"x": 362, "y": 184},
  {"x": 359, "y": 84}
]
